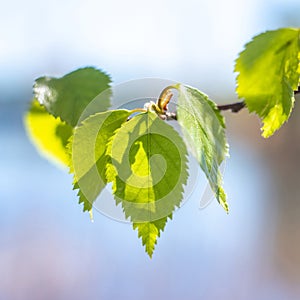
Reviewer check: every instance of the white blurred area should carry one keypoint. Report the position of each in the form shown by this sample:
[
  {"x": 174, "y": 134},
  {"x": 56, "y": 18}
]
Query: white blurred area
[
  {"x": 50, "y": 250},
  {"x": 187, "y": 41}
]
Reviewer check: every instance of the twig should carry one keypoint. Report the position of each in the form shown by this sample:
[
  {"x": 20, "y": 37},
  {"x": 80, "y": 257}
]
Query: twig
[
  {"x": 234, "y": 107},
  {"x": 171, "y": 116}
]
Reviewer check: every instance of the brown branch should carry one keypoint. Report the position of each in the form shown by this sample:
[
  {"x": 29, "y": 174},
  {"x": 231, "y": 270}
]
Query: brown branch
[{"x": 234, "y": 107}]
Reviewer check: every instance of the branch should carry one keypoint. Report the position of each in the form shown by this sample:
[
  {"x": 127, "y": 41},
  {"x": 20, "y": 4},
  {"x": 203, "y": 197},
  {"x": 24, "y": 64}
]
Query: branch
[{"x": 234, "y": 107}]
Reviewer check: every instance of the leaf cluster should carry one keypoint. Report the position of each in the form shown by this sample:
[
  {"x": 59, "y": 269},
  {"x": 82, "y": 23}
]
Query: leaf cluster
[{"x": 136, "y": 152}]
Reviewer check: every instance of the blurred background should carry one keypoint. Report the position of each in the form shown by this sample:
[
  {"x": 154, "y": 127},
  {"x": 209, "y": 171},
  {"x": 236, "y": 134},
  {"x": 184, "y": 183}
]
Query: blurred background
[{"x": 49, "y": 249}]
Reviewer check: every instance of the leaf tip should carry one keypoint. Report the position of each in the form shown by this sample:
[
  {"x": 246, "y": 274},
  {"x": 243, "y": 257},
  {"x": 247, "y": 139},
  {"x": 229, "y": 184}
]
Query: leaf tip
[
  {"x": 150, "y": 253},
  {"x": 221, "y": 197},
  {"x": 225, "y": 206},
  {"x": 91, "y": 215}
]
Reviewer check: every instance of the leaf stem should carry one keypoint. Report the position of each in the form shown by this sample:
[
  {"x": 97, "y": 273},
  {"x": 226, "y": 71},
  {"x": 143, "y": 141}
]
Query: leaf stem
[{"x": 138, "y": 110}]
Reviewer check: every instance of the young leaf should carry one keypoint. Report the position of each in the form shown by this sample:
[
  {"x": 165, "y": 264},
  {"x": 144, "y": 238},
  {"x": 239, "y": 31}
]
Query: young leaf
[
  {"x": 148, "y": 173},
  {"x": 49, "y": 134},
  {"x": 268, "y": 75},
  {"x": 68, "y": 96},
  {"x": 203, "y": 128},
  {"x": 88, "y": 152}
]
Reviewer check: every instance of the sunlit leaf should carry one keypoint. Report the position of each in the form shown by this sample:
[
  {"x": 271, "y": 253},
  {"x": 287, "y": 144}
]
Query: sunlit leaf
[
  {"x": 268, "y": 75},
  {"x": 67, "y": 97},
  {"x": 49, "y": 134},
  {"x": 148, "y": 173},
  {"x": 204, "y": 131},
  {"x": 88, "y": 153}
]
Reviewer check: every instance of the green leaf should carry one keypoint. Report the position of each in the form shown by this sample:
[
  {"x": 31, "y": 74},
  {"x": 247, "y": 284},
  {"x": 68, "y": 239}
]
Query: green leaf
[
  {"x": 88, "y": 152},
  {"x": 67, "y": 97},
  {"x": 149, "y": 232},
  {"x": 49, "y": 134},
  {"x": 204, "y": 130},
  {"x": 148, "y": 170},
  {"x": 268, "y": 74}
]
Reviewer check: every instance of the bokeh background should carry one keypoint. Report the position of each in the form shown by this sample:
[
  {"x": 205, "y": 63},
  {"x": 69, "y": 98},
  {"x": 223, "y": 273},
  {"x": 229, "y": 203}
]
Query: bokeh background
[{"x": 49, "y": 249}]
